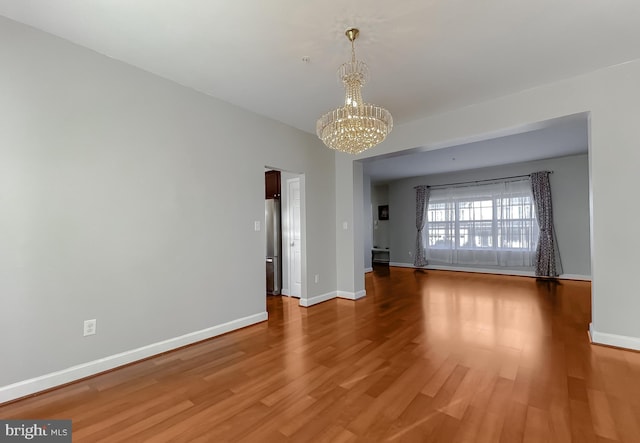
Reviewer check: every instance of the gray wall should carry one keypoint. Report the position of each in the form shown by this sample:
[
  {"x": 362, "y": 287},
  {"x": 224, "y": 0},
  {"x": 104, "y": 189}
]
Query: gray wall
[
  {"x": 130, "y": 199},
  {"x": 570, "y": 191}
]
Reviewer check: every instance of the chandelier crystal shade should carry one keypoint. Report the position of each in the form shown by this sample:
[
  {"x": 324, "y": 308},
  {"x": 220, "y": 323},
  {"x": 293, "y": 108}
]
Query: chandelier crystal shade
[{"x": 356, "y": 126}]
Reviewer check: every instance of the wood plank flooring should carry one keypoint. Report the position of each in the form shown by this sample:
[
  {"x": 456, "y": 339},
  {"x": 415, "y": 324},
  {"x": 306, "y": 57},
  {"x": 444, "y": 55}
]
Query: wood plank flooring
[{"x": 426, "y": 356}]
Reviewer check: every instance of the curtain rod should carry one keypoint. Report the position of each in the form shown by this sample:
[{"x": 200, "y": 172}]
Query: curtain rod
[{"x": 513, "y": 177}]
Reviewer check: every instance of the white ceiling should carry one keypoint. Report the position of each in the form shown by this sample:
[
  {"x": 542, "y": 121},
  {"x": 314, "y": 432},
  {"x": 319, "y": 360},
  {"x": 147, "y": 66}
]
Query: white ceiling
[
  {"x": 557, "y": 138},
  {"x": 425, "y": 56}
]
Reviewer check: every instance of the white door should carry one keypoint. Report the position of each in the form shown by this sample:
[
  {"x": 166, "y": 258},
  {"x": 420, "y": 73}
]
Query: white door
[{"x": 295, "y": 257}]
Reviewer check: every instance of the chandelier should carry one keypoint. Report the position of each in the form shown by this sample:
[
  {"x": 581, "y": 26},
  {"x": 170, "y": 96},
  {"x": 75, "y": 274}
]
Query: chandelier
[{"x": 356, "y": 126}]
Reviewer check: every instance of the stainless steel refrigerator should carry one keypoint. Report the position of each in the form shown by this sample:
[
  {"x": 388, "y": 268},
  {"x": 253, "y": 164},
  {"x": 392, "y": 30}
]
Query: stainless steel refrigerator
[{"x": 274, "y": 247}]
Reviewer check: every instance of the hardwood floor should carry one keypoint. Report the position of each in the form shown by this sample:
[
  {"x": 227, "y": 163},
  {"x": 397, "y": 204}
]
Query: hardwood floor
[{"x": 427, "y": 357}]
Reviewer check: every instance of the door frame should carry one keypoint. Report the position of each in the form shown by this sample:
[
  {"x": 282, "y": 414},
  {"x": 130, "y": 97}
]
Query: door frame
[{"x": 285, "y": 175}]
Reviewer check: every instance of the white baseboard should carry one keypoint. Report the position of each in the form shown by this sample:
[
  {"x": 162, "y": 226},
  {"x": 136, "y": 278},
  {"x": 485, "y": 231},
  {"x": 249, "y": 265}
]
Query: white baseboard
[
  {"x": 575, "y": 277},
  {"x": 331, "y": 295},
  {"x": 619, "y": 341},
  {"x": 285, "y": 291},
  {"x": 483, "y": 270},
  {"x": 366, "y": 270},
  {"x": 401, "y": 265},
  {"x": 463, "y": 269},
  {"x": 352, "y": 295},
  {"x": 490, "y": 271},
  {"x": 51, "y": 380},
  {"x": 306, "y": 302}
]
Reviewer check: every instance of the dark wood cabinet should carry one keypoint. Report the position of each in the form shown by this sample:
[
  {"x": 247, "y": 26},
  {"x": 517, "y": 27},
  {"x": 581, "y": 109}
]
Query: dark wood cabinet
[{"x": 272, "y": 184}]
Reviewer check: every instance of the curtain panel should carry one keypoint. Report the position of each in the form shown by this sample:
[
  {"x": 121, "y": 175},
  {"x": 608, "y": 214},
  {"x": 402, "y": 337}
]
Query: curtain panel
[
  {"x": 422, "y": 203},
  {"x": 547, "y": 253}
]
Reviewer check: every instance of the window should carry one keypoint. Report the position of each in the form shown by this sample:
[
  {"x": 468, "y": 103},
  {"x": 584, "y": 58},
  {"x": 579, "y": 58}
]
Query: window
[{"x": 489, "y": 224}]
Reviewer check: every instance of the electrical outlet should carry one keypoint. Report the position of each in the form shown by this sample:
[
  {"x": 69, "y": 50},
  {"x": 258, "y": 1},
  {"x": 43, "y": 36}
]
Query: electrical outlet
[
  {"x": 89, "y": 327},
  {"x": 256, "y": 225},
  {"x": 316, "y": 278}
]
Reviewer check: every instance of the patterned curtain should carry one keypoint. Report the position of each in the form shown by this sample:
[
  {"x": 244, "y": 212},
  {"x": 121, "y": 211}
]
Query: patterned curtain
[
  {"x": 547, "y": 253},
  {"x": 422, "y": 202}
]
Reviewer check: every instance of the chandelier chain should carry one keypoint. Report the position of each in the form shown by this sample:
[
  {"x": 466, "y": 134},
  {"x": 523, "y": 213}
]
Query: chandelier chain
[{"x": 353, "y": 51}]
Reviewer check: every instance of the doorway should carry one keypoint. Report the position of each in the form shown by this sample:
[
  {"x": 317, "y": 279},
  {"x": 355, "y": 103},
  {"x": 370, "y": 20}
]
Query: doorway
[
  {"x": 291, "y": 232},
  {"x": 560, "y": 145}
]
